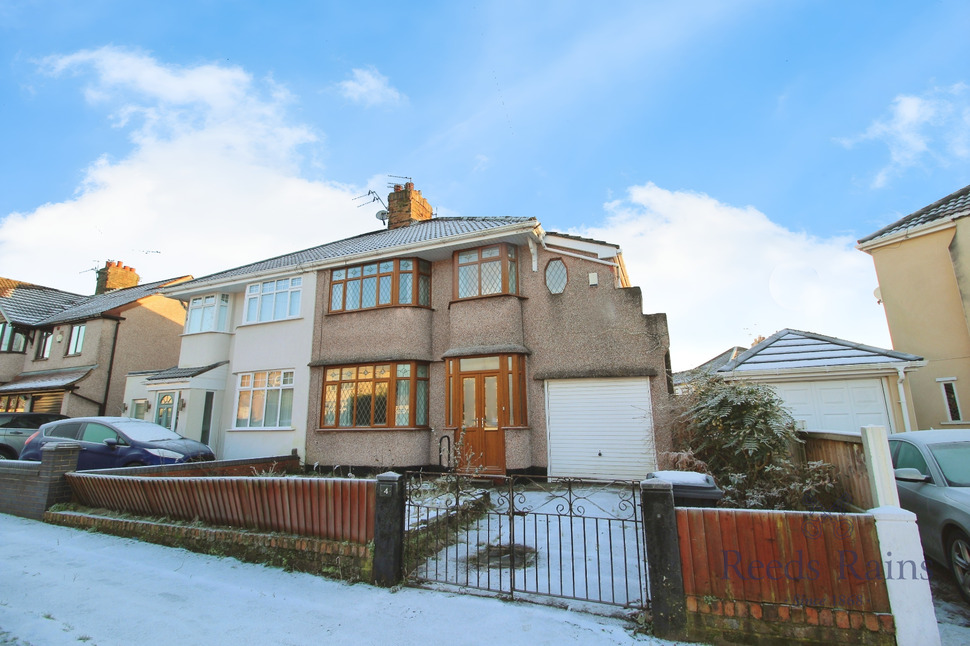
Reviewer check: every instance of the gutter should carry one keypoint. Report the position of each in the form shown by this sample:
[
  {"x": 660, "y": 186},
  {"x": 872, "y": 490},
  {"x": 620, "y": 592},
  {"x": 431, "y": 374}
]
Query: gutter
[
  {"x": 343, "y": 261},
  {"x": 901, "y": 371}
]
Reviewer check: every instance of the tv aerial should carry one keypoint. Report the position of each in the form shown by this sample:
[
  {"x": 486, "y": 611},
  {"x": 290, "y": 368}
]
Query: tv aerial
[{"x": 374, "y": 197}]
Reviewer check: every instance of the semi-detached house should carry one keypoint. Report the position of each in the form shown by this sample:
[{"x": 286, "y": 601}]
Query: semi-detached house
[{"x": 483, "y": 342}]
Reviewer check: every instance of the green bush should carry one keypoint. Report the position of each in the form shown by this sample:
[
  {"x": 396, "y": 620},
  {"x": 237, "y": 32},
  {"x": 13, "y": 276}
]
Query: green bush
[{"x": 747, "y": 438}]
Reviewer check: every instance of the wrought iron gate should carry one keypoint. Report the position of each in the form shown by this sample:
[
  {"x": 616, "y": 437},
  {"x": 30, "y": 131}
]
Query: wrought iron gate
[{"x": 563, "y": 538}]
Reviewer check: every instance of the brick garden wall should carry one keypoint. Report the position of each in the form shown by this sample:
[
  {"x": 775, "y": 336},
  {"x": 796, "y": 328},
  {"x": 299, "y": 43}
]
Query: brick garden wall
[
  {"x": 340, "y": 560},
  {"x": 28, "y": 488}
]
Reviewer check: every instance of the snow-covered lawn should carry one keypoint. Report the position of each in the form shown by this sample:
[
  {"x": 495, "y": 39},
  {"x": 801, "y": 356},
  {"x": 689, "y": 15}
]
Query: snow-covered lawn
[{"x": 64, "y": 586}]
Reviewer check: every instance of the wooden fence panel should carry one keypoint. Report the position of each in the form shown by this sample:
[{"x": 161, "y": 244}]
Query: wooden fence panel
[
  {"x": 844, "y": 450},
  {"x": 330, "y": 508},
  {"x": 795, "y": 558}
]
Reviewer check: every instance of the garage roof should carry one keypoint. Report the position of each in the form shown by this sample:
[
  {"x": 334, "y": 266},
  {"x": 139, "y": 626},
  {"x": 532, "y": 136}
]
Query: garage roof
[{"x": 790, "y": 349}]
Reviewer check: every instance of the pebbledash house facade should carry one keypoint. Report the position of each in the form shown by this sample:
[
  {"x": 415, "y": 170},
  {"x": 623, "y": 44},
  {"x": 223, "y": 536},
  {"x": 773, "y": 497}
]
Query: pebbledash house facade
[{"x": 484, "y": 343}]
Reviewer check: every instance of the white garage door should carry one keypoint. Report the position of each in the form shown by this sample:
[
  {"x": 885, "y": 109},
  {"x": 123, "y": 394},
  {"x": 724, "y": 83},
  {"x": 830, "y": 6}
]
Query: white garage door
[
  {"x": 600, "y": 428},
  {"x": 838, "y": 405}
]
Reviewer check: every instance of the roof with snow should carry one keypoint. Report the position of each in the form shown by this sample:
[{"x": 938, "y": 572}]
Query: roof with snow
[
  {"x": 435, "y": 229},
  {"x": 27, "y": 304},
  {"x": 709, "y": 366},
  {"x": 178, "y": 374},
  {"x": 47, "y": 379},
  {"x": 93, "y": 306},
  {"x": 955, "y": 205},
  {"x": 789, "y": 349},
  {"x": 34, "y": 305}
]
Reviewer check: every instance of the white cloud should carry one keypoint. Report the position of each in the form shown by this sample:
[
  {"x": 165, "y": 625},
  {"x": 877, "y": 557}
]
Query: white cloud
[
  {"x": 932, "y": 128},
  {"x": 211, "y": 182},
  {"x": 725, "y": 274},
  {"x": 370, "y": 87}
]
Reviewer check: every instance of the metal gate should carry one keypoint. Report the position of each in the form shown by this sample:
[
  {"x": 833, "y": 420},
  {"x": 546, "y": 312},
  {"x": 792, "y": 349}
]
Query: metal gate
[{"x": 527, "y": 537}]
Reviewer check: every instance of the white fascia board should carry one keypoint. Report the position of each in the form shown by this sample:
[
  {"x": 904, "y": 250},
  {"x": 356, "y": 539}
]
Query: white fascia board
[
  {"x": 602, "y": 250},
  {"x": 905, "y": 234},
  {"x": 808, "y": 374},
  {"x": 237, "y": 283}
]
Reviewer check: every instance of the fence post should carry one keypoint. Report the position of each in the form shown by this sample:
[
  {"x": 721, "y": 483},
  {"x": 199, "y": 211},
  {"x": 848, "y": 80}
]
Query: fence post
[
  {"x": 882, "y": 480},
  {"x": 662, "y": 550},
  {"x": 389, "y": 529},
  {"x": 907, "y": 583}
]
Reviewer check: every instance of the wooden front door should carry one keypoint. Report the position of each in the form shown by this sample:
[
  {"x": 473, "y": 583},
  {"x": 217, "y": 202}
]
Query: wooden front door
[{"x": 481, "y": 441}]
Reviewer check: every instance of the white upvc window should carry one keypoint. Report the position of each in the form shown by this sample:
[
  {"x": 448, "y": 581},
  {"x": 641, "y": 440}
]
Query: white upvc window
[
  {"x": 265, "y": 399},
  {"x": 950, "y": 399},
  {"x": 208, "y": 313},
  {"x": 273, "y": 300},
  {"x": 76, "y": 342}
]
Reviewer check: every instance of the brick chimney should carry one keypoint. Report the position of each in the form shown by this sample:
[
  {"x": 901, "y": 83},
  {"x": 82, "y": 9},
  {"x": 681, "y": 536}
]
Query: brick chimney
[
  {"x": 115, "y": 275},
  {"x": 405, "y": 205}
]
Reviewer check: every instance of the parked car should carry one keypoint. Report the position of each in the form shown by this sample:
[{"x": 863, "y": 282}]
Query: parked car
[
  {"x": 108, "y": 442},
  {"x": 15, "y": 428},
  {"x": 932, "y": 470}
]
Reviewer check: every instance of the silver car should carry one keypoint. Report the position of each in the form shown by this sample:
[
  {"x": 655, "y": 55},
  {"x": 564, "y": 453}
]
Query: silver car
[
  {"x": 15, "y": 428},
  {"x": 932, "y": 471}
]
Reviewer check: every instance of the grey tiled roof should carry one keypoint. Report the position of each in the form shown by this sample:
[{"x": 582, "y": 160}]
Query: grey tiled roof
[
  {"x": 27, "y": 304},
  {"x": 47, "y": 379},
  {"x": 35, "y": 305},
  {"x": 795, "y": 349},
  {"x": 708, "y": 366},
  {"x": 385, "y": 239},
  {"x": 954, "y": 205},
  {"x": 174, "y": 374},
  {"x": 92, "y": 306}
]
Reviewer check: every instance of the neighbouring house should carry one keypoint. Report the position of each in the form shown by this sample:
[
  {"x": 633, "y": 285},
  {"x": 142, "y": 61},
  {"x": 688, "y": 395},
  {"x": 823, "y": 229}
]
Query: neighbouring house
[
  {"x": 830, "y": 384},
  {"x": 483, "y": 339},
  {"x": 69, "y": 353},
  {"x": 683, "y": 379},
  {"x": 923, "y": 266}
]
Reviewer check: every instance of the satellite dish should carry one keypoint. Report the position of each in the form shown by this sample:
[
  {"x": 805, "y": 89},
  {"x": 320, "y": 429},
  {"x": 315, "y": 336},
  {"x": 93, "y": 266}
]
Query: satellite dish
[{"x": 382, "y": 215}]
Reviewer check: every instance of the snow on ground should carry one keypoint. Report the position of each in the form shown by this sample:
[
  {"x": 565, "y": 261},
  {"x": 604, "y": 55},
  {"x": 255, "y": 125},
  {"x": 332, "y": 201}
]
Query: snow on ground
[{"x": 65, "y": 586}]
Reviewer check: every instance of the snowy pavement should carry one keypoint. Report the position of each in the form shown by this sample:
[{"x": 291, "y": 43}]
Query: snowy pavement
[{"x": 64, "y": 586}]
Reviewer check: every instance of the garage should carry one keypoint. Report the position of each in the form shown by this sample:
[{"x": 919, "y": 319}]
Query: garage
[
  {"x": 600, "y": 428},
  {"x": 837, "y": 405},
  {"x": 830, "y": 384}
]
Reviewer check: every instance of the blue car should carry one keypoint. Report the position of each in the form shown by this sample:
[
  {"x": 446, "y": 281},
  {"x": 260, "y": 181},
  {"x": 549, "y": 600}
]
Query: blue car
[{"x": 109, "y": 442}]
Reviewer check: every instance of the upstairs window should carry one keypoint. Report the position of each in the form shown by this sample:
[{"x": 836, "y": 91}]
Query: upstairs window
[
  {"x": 76, "y": 342},
  {"x": 273, "y": 300},
  {"x": 486, "y": 271},
  {"x": 45, "y": 338},
  {"x": 950, "y": 399},
  {"x": 12, "y": 340},
  {"x": 208, "y": 314},
  {"x": 389, "y": 283}
]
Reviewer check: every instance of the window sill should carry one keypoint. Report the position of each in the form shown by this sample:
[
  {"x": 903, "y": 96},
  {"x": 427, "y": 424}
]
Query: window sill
[
  {"x": 479, "y": 298},
  {"x": 378, "y": 308},
  {"x": 255, "y": 323},
  {"x": 962, "y": 423},
  {"x": 366, "y": 429},
  {"x": 212, "y": 331},
  {"x": 262, "y": 429}
]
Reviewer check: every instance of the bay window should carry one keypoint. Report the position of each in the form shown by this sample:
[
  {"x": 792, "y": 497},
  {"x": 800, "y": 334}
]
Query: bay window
[
  {"x": 486, "y": 271},
  {"x": 389, "y": 394},
  {"x": 208, "y": 314},
  {"x": 12, "y": 340},
  {"x": 388, "y": 283}
]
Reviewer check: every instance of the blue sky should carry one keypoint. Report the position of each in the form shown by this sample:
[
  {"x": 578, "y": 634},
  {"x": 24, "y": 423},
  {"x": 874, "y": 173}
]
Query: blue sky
[{"x": 736, "y": 150}]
